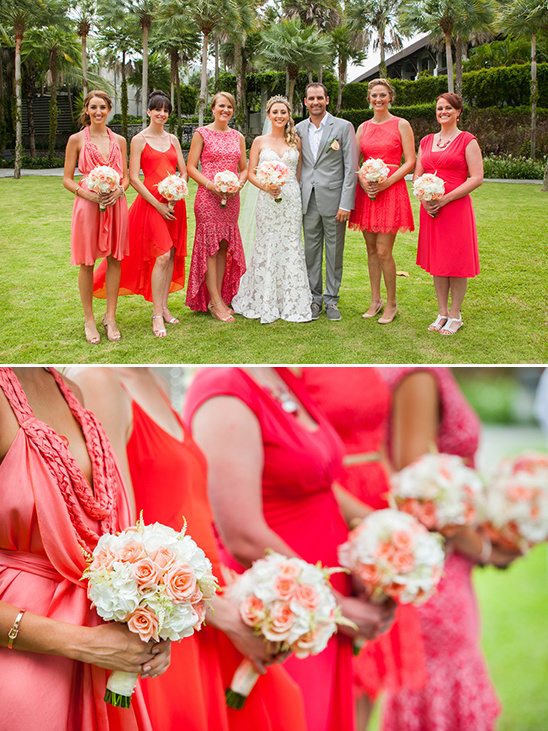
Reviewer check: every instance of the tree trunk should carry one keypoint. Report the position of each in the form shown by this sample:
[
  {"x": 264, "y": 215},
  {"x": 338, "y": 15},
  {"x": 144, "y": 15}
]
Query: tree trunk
[
  {"x": 534, "y": 94},
  {"x": 320, "y": 75},
  {"x": 53, "y": 109},
  {"x": 244, "y": 94},
  {"x": 30, "y": 116},
  {"x": 449, "y": 59},
  {"x": 544, "y": 188},
  {"x": 124, "y": 99},
  {"x": 173, "y": 62},
  {"x": 342, "y": 81},
  {"x": 18, "y": 109},
  {"x": 310, "y": 77},
  {"x": 2, "y": 109},
  {"x": 239, "y": 83},
  {"x": 287, "y": 84},
  {"x": 383, "y": 71},
  {"x": 217, "y": 52},
  {"x": 292, "y": 80},
  {"x": 459, "y": 45},
  {"x": 203, "y": 80},
  {"x": 144, "y": 91},
  {"x": 178, "y": 89},
  {"x": 84, "y": 66}
]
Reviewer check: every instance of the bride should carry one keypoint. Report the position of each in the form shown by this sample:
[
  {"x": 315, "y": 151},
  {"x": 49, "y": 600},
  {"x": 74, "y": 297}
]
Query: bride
[{"x": 276, "y": 282}]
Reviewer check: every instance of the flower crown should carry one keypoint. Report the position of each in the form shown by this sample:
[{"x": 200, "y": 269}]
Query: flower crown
[{"x": 278, "y": 98}]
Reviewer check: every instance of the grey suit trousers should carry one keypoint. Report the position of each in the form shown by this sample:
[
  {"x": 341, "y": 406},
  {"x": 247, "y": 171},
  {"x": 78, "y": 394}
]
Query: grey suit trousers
[{"x": 318, "y": 227}]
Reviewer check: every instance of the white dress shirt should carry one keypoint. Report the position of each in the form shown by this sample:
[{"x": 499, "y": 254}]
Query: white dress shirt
[{"x": 315, "y": 136}]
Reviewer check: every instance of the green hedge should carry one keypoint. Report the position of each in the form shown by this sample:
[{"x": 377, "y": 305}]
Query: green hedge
[
  {"x": 497, "y": 87},
  {"x": 419, "y": 111}
]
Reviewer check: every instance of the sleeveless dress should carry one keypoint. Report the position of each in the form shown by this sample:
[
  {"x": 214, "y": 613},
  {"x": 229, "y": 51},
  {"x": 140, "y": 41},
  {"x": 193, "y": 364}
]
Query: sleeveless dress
[
  {"x": 390, "y": 212},
  {"x": 169, "y": 479},
  {"x": 448, "y": 243},
  {"x": 459, "y": 694},
  {"x": 48, "y": 516},
  {"x": 299, "y": 505},
  {"x": 215, "y": 222},
  {"x": 95, "y": 233},
  {"x": 275, "y": 285},
  {"x": 357, "y": 403},
  {"x": 150, "y": 235}
]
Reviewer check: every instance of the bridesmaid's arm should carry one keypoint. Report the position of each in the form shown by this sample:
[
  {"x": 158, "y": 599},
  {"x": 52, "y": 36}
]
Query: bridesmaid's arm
[
  {"x": 408, "y": 147},
  {"x": 415, "y": 418},
  {"x": 137, "y": 146},
  {"x": 419, "y": 170},
  {"x": 351, "y": 508},
  {"x": 180, "y": 158},
  {"x": 230, "y": 437},
  {"x": 361, "y": 183},
  {"x": 111, "y": 198},
  {"x": 111, "y": 646},
  {"x": 74, "y": 145},
  {"x": 474, "y": 161}
]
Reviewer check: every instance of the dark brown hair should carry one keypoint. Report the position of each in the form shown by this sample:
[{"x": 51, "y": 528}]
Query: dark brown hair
[
  {"x": 84, "y": 118},
  {"x": 159, "y": 100},
  {"x": 316, "y": 83},
  {"x": 454, "y": 100}
]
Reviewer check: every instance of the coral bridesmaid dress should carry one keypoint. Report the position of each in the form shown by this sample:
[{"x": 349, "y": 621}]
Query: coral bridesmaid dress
[
  {"x": 48, "y": 516},
  {"x": 150, "y": 235},
  {"x": 390, "y": 212},
  {"x": 458, "y": 694},
  {"x": 95, "y": 233},
  {"x": 169, "y": 479},
  {"x": 215, "y": 222},
  {"x": 299, "y": 505},
  {"x": 357, "y": 403},
  {"x": 448, "y": 243}
]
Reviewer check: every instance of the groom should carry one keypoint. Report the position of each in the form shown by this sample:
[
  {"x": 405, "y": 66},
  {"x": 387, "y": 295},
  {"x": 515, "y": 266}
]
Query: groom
[{"x": 328, "y": 186}]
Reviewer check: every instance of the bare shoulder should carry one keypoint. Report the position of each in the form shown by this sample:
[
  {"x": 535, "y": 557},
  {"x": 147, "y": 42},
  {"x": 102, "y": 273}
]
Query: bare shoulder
[
  {"x": 89, "y": 380},
  {"x": 76, "y": 140}
]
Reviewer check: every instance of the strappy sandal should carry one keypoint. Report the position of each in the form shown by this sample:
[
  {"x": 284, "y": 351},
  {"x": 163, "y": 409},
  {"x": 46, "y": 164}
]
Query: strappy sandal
[
  {"x": 367, "y": 315},
  {"x": 162, "y": 332},
  {"x": 437, "y": 325},
  {"x": 90, "y": 337},
  {"x": 111, "y": 330},
  {"x": 210, "y": 307},
  {"x": 446, "y": 329},
  {"x": 171, "y": 320}
]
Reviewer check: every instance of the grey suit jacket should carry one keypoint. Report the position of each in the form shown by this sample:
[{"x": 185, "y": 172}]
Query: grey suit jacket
[{"x": 334, "y": 174}]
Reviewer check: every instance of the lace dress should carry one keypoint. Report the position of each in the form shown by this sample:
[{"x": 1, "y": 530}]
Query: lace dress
[{"x": 276, "y": 283}]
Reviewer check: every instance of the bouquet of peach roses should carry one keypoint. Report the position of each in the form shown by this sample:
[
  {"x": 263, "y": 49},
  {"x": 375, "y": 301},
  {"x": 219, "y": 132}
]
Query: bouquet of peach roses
[
  {"x": 173, "y": 188},
  {"x": 155, "y": 579},
  {"x": 226, "y": 182},
  {"x": 374, "y": 170},
  {"x": 102, "y": 179},
  {"x": 290, "y": 604}
]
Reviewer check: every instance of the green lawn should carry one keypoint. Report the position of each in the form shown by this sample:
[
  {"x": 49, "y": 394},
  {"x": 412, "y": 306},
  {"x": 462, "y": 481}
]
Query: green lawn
[
  {"x": 504, "y": 312},
  {"x": 515, "y": 639}
]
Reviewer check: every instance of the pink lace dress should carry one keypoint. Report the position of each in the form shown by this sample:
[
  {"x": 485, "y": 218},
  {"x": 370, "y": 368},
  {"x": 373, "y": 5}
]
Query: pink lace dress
[
  {"x": 95, "y": 233},
  {"x": 49, "y": 515},
  {"x": 459, "y": 695},
  {"x": 215, "y": 222}
]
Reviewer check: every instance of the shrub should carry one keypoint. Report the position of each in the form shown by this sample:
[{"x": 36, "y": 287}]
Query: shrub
[
  {"x": 35, "y": 163},
  {"x": 508, "y": 167}
]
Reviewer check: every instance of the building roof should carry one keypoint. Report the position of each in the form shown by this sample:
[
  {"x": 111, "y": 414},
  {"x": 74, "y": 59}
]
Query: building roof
[{"x": 399, "y": 56}]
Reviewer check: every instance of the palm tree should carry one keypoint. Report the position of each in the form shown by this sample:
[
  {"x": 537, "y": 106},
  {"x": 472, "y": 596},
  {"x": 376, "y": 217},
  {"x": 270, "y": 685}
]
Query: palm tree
[
  {"x": 476, "y": 19},
  {"x": 289, "y": 46},
  {"x": 324, "y": 14},
  {"x": 507, "y": 52},
  {"x": 381, "y": 17},
  {"x": 245, "y": 22},
  {"x": 348, "y": 43},
  {"x": 20, "y": 15},
  {"x": 144, "y": 11},
  {"x": 528, "y": 18},
  {"x": 84, "y": 21}
]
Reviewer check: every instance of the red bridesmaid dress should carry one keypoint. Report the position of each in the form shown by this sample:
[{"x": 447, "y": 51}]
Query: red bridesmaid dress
[
  {"x": 448, "y": 243},
  {"x": 390, "y": 212},
  {"x": 300, "y": 467},
  {"x": 150, "y": 235},
  {"x": 169, "y": 479},
  {"x": 357, "y": 402}
]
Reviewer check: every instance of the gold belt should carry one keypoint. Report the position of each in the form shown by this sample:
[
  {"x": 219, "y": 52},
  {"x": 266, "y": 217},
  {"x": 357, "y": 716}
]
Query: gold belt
[{"x": 352, "y": 459}]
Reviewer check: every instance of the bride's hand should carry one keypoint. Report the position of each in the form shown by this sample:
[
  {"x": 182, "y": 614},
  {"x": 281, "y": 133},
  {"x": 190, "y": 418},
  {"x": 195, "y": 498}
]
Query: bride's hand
[{"x": 274, "y": 190}]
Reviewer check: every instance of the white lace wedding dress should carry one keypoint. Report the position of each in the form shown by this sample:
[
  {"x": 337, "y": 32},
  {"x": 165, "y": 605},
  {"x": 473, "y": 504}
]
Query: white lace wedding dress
[{"x": 275, "y": 285}]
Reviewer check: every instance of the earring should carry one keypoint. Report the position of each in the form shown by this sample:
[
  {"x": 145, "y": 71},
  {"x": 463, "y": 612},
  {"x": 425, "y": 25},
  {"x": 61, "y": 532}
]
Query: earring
[
  {"x": 389, "y": 105},
  {"x": 370, "y": 105}
]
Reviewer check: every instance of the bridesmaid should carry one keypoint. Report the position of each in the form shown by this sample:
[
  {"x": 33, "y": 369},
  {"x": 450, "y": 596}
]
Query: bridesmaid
[
  {"x": 448, "y": 242},
  {"x": 383, "y": 209},
  {"x": 156, "y": 262},
  {"x": 61, "y": 490},
  {"x": 168, "y": 473},
  {"x": 218, "y": 261},
  {"x": 95, "y": 233}
]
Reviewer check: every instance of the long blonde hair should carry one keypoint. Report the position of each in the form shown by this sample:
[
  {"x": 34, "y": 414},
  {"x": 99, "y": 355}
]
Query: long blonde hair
[{"x": 290, "y": 136}]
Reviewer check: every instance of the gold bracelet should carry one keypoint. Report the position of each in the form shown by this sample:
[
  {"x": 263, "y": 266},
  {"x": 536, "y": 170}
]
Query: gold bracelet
[{"x": 14, "y": 631}]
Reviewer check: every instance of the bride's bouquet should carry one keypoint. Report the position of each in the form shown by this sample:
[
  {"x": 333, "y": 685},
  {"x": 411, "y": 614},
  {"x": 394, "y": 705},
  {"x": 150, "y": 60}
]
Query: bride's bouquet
[
  {"x": 395, "y": 556},
  {"x": 374, "y": 170},
  {"x": 102, "y": 179},
  {"x": 272, "y": 173},
  {"x": 226, "y": 182},
  {"x": 439, "y": 490},
  {"x": 516, "y": 502},
  {"x": 156, "y": 580},
  {"x": 289, "y": 603},
  {"x": 428, "y": 187},
  {"x": 173, "y": 188}
]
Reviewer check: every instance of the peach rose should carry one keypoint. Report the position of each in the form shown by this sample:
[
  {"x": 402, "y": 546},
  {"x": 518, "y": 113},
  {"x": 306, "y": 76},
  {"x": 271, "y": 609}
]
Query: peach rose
[
  {"x": 103, "y": 560},
  {"x": 197, "y": 597},
  {"x": 201, "y": 612},
  {"x": 164, "y": 557},
  {"x": 180, "y": 582},
  {"x": 385, "y": 550},
  {"x": 252, "y": 610},
  {"x": 403, "y": 562},
  {"x": 306, "y": 642},
  {"x": 281, "y": 621},
  {"x": 145, "y": 623},
  {"x": 307, "y": 596},
  {"x": 285, "y": 587},
  {"x": 131, "y": 552},
  {"x": 412, "y": 506},
  {"x": 402, "y": 540},
  {"x": 289, "y": 569},
  {"x": 428, "y": 515},
  {"x": 146, "y": 573},
  {"x": 368, "y": 574}
]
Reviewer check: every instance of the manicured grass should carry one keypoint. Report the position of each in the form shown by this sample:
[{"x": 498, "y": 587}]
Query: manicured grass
[{"x": 504, "y": 312}]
